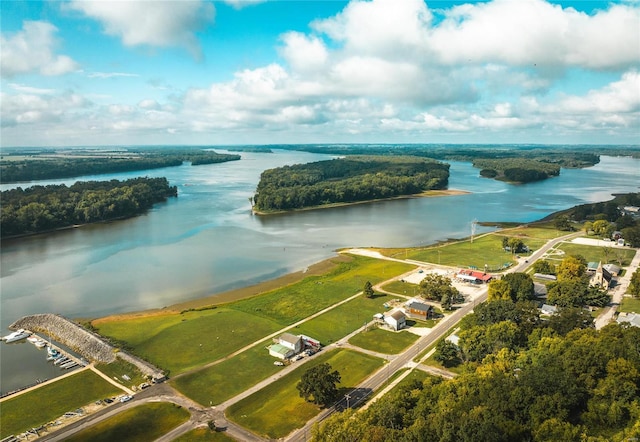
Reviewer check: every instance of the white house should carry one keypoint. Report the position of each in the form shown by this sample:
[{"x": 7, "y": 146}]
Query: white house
[
  {"x": 290, "y": 341},
  {"x": 396, "y": 320}
]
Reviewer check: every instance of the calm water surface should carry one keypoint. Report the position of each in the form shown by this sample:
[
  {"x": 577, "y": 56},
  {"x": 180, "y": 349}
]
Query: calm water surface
[{"x": 207, "y": 241}]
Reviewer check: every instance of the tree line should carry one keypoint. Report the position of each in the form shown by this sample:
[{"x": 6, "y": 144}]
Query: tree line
[
  {"x": 66, "y": 166},
  {"x": 346, "y": 180},
  {"x": 41, "y": 208}
]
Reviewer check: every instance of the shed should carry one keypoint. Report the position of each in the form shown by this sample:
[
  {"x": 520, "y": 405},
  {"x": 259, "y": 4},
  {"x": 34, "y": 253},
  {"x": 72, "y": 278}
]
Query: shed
[{"x": 396, "y": 320}]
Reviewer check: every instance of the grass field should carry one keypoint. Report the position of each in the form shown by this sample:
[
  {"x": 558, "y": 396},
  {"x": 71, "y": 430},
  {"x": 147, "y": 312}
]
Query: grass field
[
  {"x": 597, "y": 254},
  {"x": 142, "y": 423},
  {"x": 485, "y": 249},
  {"x": 278, "y": 409},
  {"x": 383, "y": 341},
  {"x": 339, "y": 322},
  {"x": 118, "y": 368},
  {"x": 630, "y": 305},
  {"x": 179, "y": 342},
  {"x": 204, "y": 435},
  {"x": 216, "y": 384},
  {"x": 51, "y": 401},
  {"x": 298, "y": 301},
  {"x": 401, "y": 288}
]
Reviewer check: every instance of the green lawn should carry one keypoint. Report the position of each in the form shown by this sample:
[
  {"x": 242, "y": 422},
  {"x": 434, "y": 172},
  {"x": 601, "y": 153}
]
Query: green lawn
[
  {"x": 300, "y": 300},
  {"x": 204, "y": 435},
  {"x": 51, "y": 401},
  {"x": 179, "y": 342},
  {"x": 630, "y": 305},
  {"x": 383, "y": 341},
  {"x": 339, "y": 322},
  {"x": 485, "y": 249},
  {"x": 222, "y": 381},
  {"x": 277, "y": 409},
  {"x": 118, "y": 368},
  {"x": 142, "y": 423},
  {"x": 597, "y": 253},
  {"x": 401, "y": 288}
]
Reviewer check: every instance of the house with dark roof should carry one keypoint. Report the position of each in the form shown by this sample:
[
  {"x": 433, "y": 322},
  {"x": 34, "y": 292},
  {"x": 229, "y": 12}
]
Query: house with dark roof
[
  {"x": 416, "y": 309},
  {"x": 396, "y": 320}
]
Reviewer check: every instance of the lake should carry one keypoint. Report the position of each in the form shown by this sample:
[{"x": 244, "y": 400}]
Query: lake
[{"x": 207, "y": 241}]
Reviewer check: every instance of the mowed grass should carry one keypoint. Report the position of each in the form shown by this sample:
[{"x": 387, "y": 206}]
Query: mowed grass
[
  {"x": 118, "y": 368},
  {"x": 214, "y": 385},
  {"x": 204, "y": 435},
  {"x": 598, "y": 254},
  {"x": 179, "y": 342},
  {"x": 402, "y": 288},
  {"x": 51, "y": 401},
  {"x": 485, "y": 249},
  {"x": 298, "y": 301},
  {"x": 383, "y": 341},
  {"x": 278, "y": 409},
  {"x": 630, "y": 305},
  {"x": 342, "y": 320},
  {"x": 142, "y": 423}
]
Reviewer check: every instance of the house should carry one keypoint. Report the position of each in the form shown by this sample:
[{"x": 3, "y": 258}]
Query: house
[
  {"x": 633, "y": 319},
  {"x": 286, "y": 346},
  {"x": 292, "y": 342},
  {"x": 396, "y": 320},
  {"x": 592, "y": 266},
  {"x": 417, "y": 309},
  {"x": 548, "y": 310},
  {"x": 602, "y": 278},
  {"x": 474, "y": 276}
]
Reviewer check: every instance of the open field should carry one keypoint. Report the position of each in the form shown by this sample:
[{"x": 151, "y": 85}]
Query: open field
[
  {"x": 179, "y": 342},
  {"x": 214, "y": 385},
  {"x": 118, "y": 368},
  {"x": 277, "y": 409},
  {"x": 204, "y": 435},
  {"x": 402, "y": 288},
  {"x": 383, "y": 341},
  {"x": 142, "y": 423},
  {"x": 630, "y": 305},
  {"x": 51, "y": 401},
  {"x": 597, "y": 254},
  {"x": 485, "y": 249},
  {"x": 298, "y": 301},
  {"x": 340, "y": 321}
]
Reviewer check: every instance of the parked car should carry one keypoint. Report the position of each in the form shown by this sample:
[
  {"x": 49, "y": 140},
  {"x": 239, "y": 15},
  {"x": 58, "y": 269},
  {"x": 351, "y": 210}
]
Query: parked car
[
  {"x": 107, "y": 400},
  {"x": 280, "y": 363},
  {"x": 126, "y": 398}
]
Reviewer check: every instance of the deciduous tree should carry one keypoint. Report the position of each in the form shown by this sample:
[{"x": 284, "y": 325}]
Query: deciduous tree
[{"x": 319, "y": 385}]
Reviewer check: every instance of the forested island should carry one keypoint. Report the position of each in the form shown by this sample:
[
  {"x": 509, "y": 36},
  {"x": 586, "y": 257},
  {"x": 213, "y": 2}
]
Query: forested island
[
  {"x": 42, "y": 208},
  {"x": 347, "y": 180},
  {"x": 43, "y": 165},
  {"x": 516, "y": 170}
]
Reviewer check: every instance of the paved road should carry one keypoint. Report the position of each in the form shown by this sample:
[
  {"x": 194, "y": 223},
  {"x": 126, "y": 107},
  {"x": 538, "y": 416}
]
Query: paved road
[{"x": 622, "y": 284}]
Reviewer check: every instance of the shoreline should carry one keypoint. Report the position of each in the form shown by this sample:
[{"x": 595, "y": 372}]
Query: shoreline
[
  {"x": 434, "y": 193},
  {"x": 217, "y": 299}
]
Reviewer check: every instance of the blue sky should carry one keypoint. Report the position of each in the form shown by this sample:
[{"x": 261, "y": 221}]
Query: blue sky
[{"x": 83, "y": 73}]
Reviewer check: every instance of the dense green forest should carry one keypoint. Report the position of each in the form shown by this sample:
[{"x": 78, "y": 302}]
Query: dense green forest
[
  {"x": 516, "y": 170},
  {"x": 352, "y": 179},
  {"x": 45, "y": 165},
  {"x": 524, "y": 379},
  {"x": 41, "y": 208}
]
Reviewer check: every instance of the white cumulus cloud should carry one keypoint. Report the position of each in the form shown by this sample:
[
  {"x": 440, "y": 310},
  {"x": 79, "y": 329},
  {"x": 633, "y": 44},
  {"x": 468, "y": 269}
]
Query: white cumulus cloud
[
  {"x": 33, "y": 50},
  {"x": 162, "y": 23}
]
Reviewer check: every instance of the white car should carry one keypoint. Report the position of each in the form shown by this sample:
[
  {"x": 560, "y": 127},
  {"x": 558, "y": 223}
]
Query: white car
[{"x": 126, "y": 398}]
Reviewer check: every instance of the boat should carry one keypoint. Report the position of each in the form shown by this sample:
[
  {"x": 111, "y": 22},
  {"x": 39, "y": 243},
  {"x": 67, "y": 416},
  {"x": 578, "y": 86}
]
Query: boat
[
  {"x": 68, "y": 364},
  {"x": 33, "y": 339},
  {"x": 41, "y": 343},
  {"x": 61, "y": 360},
  {"x": 17, "y": 335},
  {"x": 52, "y": 352}
]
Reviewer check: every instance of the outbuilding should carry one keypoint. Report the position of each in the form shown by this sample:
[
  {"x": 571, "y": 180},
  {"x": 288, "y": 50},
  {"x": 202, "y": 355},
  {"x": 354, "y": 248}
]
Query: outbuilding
[{"x": 396, "y": 320}]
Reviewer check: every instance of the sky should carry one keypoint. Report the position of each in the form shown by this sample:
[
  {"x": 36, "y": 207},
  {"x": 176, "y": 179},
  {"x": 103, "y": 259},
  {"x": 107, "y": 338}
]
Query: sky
[{"x": 147, "y": 72}]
